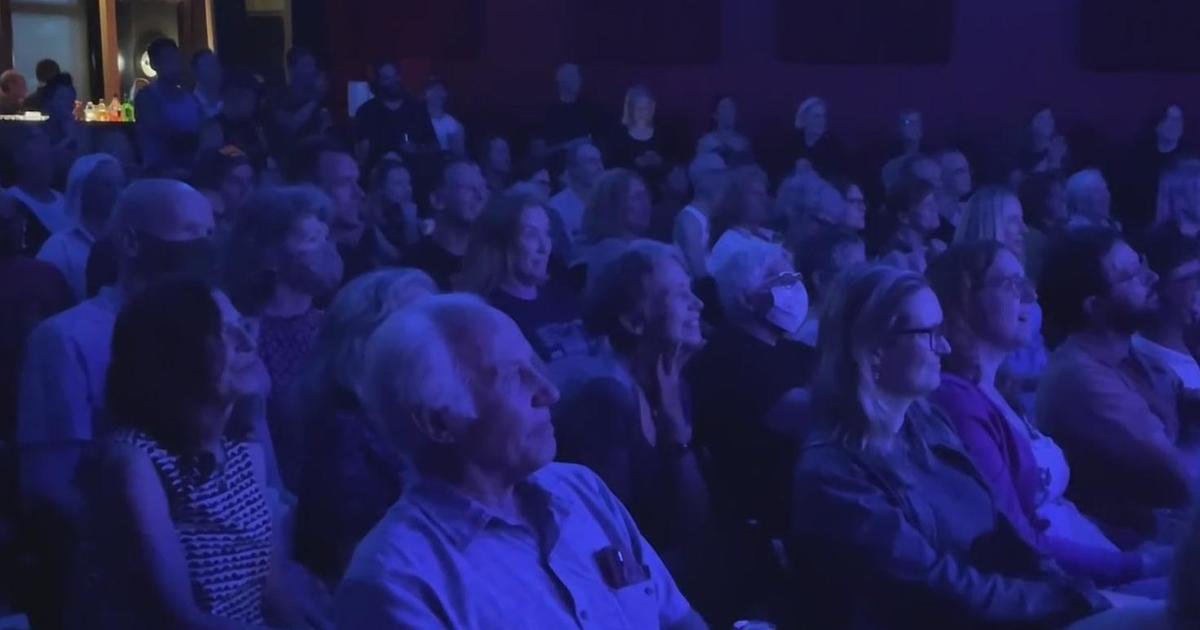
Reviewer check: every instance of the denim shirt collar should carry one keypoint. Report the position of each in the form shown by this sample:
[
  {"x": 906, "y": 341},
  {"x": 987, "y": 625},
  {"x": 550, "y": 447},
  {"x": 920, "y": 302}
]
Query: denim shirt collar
[{"x": 463, "y": 518}]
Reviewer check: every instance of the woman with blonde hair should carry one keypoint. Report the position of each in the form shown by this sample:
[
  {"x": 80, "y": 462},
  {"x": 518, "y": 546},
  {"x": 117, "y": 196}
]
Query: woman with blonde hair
[
  {"x": 994, "y": 213},
  {"x": 891, "y": 524},
  {"x": 813, "y": 148},
  {"x": 351, "y": 475},
  {"x": 638, "y": 144}
]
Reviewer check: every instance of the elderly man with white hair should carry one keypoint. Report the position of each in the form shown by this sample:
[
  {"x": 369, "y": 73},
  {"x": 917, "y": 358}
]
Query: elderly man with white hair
[
  {"x": 747, "y": 366},
  {"x": 1089, "y": 200},
  {"x": 490, "y": 533}
]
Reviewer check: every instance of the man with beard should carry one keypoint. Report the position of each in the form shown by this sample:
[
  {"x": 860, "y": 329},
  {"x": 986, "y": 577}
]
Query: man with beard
[
  {"x": 1119, "y": 431},
  {"x": 391, "y": 122},
  {"x": 458, "y": 201}
]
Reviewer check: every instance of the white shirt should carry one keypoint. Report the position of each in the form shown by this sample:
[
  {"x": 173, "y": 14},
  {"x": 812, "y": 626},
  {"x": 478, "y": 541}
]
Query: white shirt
[
  {"x": 446, "y": 127},
  {"x": 1183, "y": 365},
  {"x": 66, "y": 366},
  {"x": 569, "y": 207},
  {"x": 52, "y": 214},
  {"x": 69, "y": 250}
]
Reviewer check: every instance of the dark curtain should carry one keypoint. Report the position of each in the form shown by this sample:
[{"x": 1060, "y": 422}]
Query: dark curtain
[{"x": 865, "y": 32}]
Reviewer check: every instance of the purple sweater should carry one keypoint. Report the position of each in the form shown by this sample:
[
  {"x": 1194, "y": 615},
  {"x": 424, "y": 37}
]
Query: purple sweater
[{"x": 1004, "y": 458}]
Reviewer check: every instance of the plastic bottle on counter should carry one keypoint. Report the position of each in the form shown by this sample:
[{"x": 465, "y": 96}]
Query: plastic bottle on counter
[
  {"x": 89, "y": 112},
  {"x": 127, "y": 112},
  {"x": 101, "y": 111},
  {"x": 115, "y": 110},
  {"x": 78, "y": 112}
]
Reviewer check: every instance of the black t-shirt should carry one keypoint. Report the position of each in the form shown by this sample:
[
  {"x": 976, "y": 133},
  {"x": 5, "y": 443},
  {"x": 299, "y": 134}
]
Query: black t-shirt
[
  {"x": 288, "y": 102},
  {"x": 552, "y": 322},
  {"x": 736, "y": 380},
  {"x": 624, "y": 150},
  {"x": 431, "y": 258},
  {"x": 826, "y": 156},
  {"x": 389, "y": 129}
]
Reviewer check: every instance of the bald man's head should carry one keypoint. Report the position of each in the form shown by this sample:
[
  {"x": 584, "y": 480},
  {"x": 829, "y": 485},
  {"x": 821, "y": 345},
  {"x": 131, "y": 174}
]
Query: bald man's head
[
  {"x": 165, "y": 208},
  {"x": 162, "y": 227}
]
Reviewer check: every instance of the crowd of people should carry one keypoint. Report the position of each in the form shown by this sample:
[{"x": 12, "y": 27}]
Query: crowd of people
[{"x": 260, "y": 369}]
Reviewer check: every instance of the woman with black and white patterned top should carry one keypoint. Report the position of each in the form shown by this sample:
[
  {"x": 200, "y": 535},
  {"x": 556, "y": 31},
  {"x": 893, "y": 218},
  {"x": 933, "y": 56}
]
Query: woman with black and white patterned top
[{"x": 183, "y": 534}]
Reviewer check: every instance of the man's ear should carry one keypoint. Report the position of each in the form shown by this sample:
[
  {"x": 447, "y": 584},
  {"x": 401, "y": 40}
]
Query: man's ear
[{"x": 435, "y": 426}]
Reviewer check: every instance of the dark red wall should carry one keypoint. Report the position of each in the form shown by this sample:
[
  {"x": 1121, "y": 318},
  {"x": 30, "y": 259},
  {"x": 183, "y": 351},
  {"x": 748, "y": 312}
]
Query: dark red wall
[{"x": 1006, "y": 57}]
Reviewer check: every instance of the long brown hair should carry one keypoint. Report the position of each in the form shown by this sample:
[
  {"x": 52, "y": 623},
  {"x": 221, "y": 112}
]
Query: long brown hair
[
  {"x": 954, "y": 277},
  {"x": 860, "y": 313},
  {"x": 485, "y": 264}
]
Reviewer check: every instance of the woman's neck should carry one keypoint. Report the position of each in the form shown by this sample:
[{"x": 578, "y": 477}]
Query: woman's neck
[
  {"x": 1167, "y": 146},
  {"x": 892, "y": 410},
  {"x": 990, "y": 359},
  {"x": 287, "y": 302},
  {"x": 641, "y": 362},
  {"x": 1166, "y": 334},
  {"x": 436, "y": 112},
  {"x": 910, "y": 146},
  {"x": 812, "y": 137},
  {"x": 519, "y": 289}
]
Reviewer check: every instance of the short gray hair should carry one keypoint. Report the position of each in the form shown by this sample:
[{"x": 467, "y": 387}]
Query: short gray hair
[
  {"x": 414, "y": 364},
  {"x": 745, "y": 270}
]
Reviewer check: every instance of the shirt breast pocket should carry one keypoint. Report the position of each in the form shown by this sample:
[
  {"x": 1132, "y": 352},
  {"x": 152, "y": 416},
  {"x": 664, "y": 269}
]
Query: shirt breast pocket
[{"x": 639, "y": 602}]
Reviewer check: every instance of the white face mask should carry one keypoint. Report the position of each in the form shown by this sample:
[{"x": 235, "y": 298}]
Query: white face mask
[{"x": 790, "y": 307}]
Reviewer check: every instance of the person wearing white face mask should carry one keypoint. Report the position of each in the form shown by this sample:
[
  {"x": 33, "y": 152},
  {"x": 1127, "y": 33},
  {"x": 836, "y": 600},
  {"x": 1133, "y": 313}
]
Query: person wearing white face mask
[{"x": 747, "y": 366}]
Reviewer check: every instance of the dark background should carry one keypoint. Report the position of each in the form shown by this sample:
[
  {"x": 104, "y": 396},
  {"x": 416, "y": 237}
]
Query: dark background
[{"x": 976, "y": 68}]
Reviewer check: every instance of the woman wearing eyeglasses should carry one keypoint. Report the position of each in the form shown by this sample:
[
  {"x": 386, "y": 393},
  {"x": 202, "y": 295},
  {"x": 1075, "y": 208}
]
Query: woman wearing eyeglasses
[
  {"x": 988, "y": 303},
  {"x": 892, "y": 526}
]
